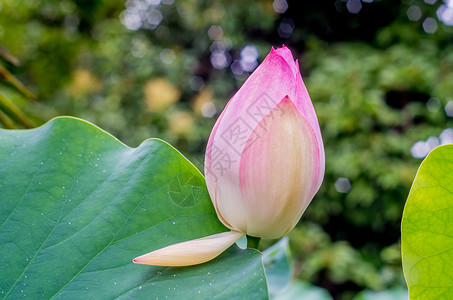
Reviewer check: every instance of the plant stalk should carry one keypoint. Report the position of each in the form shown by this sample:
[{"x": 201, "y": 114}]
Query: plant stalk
[{"x": 253, "y": 242}]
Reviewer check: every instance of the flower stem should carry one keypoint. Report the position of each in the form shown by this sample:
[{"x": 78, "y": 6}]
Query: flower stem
[{"x": 253, "y": 242}]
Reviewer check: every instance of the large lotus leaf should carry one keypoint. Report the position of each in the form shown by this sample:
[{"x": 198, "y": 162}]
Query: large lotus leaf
[
  {"x": 77, "y": 205},
  {"x": 427, "y": 228},
  {"x": 276, "y": 262},
  {"x": 301, "y": 290}
]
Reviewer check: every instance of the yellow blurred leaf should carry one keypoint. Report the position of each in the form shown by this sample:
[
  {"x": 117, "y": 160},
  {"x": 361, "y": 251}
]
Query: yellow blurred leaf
[
  {"x": 181, "y": 123},
  {"x": 160, "y": 94},
  {"x": 84, "y": 82},
  {"x": 8, "y": 77},
  {"x": 6, "y": 121},
  {"x": 14, "y": 112},
  {"x": 9, "y": 57}
]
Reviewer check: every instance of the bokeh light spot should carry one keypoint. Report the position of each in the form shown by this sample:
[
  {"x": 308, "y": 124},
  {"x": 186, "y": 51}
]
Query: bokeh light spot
[
  {"x": 153, "y": 19},
  {"x": 219, "y": 59},
  {"x": 196, "y": 83},
  {"x": 449, "y": 109},
  {"x": 445, "y": 13},
  {"x": 141, "y": 14},
  {"x": 354, "y": 6},
  {"x": 421, "y": 148},
  {"x": 208, "y": 110},
  {"x": 433, "y": 104},
  {"x": 446, "y": 137},
  {"x": 280, "y": 6},
  {"x": 430, "y": 25},
  {"x": 342, "y": 185},
  {"x": 215, "y": 33},
  {"x": 286, "y": 28},
  {"x": 414, "y": 13},
  {"x": 153, "y": 2},
  {"x": 249, "y": 58},
  {"x": 236, "y": 67},
  {"x": 167, "y": 56},
  {"x": 131, "y": 21}
]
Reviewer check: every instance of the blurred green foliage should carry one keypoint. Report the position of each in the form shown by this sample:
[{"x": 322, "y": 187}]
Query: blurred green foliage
[
  {"x": 12, "y": 89},
  {"x": 379, "y": 82}
]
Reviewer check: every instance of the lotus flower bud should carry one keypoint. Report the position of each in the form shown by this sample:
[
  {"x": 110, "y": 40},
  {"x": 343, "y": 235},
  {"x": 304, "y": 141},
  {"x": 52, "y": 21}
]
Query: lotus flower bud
[
  {"x": 265, "y": 156},
  {"x": 264, "y": 162}
]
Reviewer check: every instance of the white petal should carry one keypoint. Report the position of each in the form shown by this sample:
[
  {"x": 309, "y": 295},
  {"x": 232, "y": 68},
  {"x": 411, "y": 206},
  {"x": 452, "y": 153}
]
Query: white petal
[{"x": 192, "y": 252}]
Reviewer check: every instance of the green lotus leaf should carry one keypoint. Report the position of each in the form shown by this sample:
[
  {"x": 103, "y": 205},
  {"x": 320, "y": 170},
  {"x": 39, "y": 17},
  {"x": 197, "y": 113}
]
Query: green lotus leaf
[
  {"x": 427, "y": 228},
  {"x": 77, "y": 205}
]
